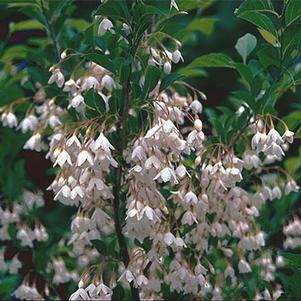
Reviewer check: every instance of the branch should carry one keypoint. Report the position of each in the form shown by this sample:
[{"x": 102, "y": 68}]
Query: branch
[
  {"x": 50, "y": 32},
  {"x": 237, "y": 136},
  {"x": 117, "y": 187}
]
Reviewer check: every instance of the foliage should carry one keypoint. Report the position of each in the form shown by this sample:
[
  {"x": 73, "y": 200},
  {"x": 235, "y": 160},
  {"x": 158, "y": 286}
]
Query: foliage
[{"x": 136, "y": 47}]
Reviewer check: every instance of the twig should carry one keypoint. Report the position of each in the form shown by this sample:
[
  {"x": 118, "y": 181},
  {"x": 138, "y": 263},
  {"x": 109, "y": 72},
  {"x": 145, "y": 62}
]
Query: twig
[
  {"x": 237, "y": 136},
  {"x": 117, "y": 186},
  {"x": 50, "y": 32}
]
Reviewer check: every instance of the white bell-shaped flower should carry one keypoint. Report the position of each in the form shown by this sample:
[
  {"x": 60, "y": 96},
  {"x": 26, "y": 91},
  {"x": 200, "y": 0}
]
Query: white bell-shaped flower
[{"x": 105, "y": 25}]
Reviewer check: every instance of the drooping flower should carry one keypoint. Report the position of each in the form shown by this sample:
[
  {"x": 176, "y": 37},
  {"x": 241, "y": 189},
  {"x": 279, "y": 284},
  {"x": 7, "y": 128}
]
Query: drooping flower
[
  {"x": 174, "y": 4},
  {"x": 63, "y": 158},
  {"x": 9, "y": 119},
  {"x": 77, "y": 101},
  {"x": 167, "y": 174},
  {"x": 105, "y": 25},
  {"x": 177, "y": 56},
  {"x": 57, "y": 77},
  {"x": 84, "y": 158},
  {"x": 167, "y": 67}
]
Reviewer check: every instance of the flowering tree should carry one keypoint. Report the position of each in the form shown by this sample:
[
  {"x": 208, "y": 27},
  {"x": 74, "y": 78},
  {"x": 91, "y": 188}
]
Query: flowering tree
[{"x": 168, "y": 199}]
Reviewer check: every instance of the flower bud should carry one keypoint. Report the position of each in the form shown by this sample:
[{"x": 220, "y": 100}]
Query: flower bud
[{"x": 167, "y": 67}]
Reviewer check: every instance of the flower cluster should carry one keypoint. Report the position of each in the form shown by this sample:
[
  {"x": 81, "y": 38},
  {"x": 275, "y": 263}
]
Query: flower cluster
[
  {"x": 96, "y": 78},
  {"x": 181, "y": 204},
  {"x": 44, "y": 114},
  {"x": 27, "y": 292},
  {"x": 164, "y": 58},
  {"x": 25, "y": 235},
  {"x": 158, "y": 157},
  {"x": 61, "y": 274},
  {"x": 292, "y": 232},
  {"x": 81, "y": 181},
  {"x": 98, "y": 291},
  {"x": 206, "y": 199},
  {"x": 270, "y": 142}
]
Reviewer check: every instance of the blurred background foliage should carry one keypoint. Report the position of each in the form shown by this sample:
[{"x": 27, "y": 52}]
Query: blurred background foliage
[{"x": 29, "y": 46}]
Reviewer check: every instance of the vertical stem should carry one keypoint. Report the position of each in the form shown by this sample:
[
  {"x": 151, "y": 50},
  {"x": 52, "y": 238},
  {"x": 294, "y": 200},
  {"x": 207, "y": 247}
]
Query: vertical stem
[
  {"x": 117, "y": 186},
  {"x": 237, "y": 136},
  {"x": 50, "y": 32},
  {"x": 119, "y": 171}
]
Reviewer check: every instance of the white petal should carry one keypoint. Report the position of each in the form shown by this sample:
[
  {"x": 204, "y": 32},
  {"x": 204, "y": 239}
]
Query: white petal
[
  {"x": 181, "y": 171},
  {"x": 169, "y": 238},
  {"x": 132, "y": 213},
  {"x": 179, "y": 242},
  {"x": 149, "y": 213},
  {"x": 165, "y": 174}
]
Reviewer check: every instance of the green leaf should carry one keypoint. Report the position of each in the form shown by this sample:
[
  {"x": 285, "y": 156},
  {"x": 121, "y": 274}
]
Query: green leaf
[
  {"x": 118, "y": 293},
  {"x": 78, "y": 24},
  {"x": 260, "y": 20},
  {"x": 191, "y": 72},
  {"x": 170, "y": 79},
  {"x": 17, "y": 52},
  {"x": 152, "y": 76},
  {"x": 124, "y": 72},
  {"x": 144, "y": 19},
  {"x": 270, "y": 38},
  {"x": 38, "y": 74},
  {"x": 293, "y": 119},
  {"x": 267, "y": 103},
  {"x": 185, "y": 5},
  {"x": 114, "y": 9},
  {"x": 100, "y": 104},
  {"x": 204, "y": 25},
  {"x": 298, "y": 135},
  {"x": 101, "y": 60},
  {"x": 101, "y": 43},
  {"x": 21, "y": 3},
  {"x": 95, "y": 101},
  {"x": 264, "y": 6},
  {"x": 241, "y": 120},
  {"x": 34, "y": 12},
  {"x": 219, "y": 127},
  {"x": 245, "y": 96},
  {"x": 114, "y": 103},
  {"x": 212, "y": 60},
  {"x": 245, "y": 73},
  {"x": 89, "y": 99},
  {"x": 61, "y": 7},
  {"x": 268, "y": 56},
  {"x": 292, "y": 164},
  {"x": 14, "y": 180},
  {"x": 90, "y": 35},
  {"x": 245, "y": 45},
  {"x": 25, "y": 25},
  {"x": 256, "y": 86},
  {"x": 100, "y": 246},
  {"x": 293, "y": 259},
  {"x": 141, "y": 11},
  {"x": 7, "y": 283},
  {"x": 292, "y": 11},
  {"x": 291, "y": 39}
]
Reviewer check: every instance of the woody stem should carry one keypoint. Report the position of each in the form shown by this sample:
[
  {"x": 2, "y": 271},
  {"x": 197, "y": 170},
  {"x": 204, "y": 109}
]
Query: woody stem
[{"x": 118, "y": 181}]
